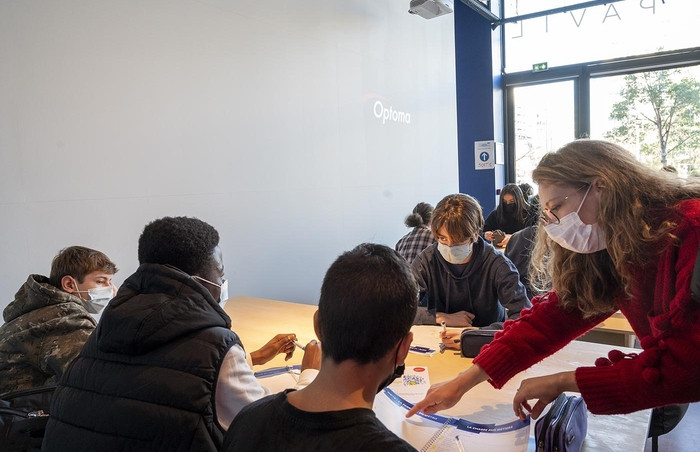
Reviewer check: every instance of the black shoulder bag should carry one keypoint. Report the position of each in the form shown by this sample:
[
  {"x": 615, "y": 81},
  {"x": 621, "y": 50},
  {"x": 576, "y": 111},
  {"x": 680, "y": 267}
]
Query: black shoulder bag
[{"x": 23, "y": 418}]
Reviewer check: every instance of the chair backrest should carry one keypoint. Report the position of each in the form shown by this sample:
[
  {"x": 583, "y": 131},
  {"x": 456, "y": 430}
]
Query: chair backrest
[
  {"x": 664, "y": 419},
  {"x": 23, "y": 418}
]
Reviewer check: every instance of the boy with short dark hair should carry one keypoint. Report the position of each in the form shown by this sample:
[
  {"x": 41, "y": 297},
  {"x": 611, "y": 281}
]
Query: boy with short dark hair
[{"x": 368, "y": 302}]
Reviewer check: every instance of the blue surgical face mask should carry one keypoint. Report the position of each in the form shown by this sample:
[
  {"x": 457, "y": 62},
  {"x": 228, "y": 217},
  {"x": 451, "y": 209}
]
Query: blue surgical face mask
[{"x": 455, "y": 254}]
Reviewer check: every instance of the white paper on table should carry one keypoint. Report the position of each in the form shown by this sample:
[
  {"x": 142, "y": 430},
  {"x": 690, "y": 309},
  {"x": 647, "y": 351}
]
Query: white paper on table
[
  {"x": 414, "y": 382},
  {"x": 437, "y": 433},
  {"x": 415, "y": 430}
]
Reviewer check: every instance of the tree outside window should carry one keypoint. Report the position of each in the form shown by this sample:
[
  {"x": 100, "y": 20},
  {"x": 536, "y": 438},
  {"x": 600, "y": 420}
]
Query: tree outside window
[{"x": 657, "y": 114}]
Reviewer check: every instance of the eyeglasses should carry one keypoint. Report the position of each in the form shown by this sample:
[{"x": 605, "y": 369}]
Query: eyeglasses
[{"x": 549, "y": 217}]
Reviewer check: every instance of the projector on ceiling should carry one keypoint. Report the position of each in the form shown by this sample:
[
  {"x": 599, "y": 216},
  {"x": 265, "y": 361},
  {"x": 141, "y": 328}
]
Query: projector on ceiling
[{"x": 428, "y": 9}]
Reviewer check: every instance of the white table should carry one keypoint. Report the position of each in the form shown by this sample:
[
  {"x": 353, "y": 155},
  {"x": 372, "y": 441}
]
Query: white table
[{"x": 257, "y": 320}]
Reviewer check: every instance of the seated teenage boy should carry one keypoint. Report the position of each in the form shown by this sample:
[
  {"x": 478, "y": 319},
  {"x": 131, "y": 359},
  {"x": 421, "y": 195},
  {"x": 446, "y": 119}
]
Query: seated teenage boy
[
  {"x": 463, "y": 280},
  {"x": 49, "y": 320},
  {"x": 368, "y": 301},
  {"x": 163, "y": 371}
]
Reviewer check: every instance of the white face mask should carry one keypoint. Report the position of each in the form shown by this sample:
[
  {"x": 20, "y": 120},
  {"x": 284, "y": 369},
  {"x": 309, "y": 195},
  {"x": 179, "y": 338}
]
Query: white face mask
[
  {"x": 223, "y": 294},
  {"x": 99, "y": 298},
  {"x": 455, "y": 254},
  {"x": 574, "y": 235}
]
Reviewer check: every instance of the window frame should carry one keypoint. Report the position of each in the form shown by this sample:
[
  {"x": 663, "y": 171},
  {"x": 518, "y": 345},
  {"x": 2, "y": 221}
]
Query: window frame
[{"x": 581, "y": 74}]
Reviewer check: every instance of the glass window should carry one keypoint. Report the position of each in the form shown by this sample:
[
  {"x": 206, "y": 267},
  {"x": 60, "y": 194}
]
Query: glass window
[
  {"x": 596, "y": 33},
  {"x": 653, "y": 114},
  {"x": 544, "y": 121}
]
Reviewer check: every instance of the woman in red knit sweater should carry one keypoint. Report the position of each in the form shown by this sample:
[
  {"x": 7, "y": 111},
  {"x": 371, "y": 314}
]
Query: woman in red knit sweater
[{"x": 615, "y": 235}]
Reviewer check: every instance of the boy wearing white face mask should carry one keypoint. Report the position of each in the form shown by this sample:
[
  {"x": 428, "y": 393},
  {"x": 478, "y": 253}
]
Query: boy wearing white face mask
[
  {"x": 49, "y": 320},
  {"x": 463, "y": 281}
]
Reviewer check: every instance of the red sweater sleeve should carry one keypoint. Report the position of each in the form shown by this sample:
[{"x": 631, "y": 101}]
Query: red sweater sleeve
[
  {"x": 668, "y": 369},
  {"x": 538, "y": 333}
]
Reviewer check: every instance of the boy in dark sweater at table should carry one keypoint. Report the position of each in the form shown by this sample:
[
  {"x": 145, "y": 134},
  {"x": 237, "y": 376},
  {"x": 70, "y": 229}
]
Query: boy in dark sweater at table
[
  {"x": 367, "y": 305},
  {"x": 462, "y": 279}
]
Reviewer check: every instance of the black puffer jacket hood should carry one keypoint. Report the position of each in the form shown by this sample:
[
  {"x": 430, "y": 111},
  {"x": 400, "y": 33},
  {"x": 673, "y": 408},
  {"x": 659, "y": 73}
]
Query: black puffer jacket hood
[{"x": 135, "y": 322}]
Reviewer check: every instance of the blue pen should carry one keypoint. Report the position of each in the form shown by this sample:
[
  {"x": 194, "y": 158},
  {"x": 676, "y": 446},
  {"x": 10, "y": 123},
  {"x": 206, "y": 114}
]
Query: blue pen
[{"x": 418, "y": 348}]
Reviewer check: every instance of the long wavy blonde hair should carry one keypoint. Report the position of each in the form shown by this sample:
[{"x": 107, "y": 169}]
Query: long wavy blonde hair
[{"x": 636, "y": 212}]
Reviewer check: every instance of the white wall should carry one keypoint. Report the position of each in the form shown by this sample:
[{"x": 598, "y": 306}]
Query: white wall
[{"x": 256, "y": 117}]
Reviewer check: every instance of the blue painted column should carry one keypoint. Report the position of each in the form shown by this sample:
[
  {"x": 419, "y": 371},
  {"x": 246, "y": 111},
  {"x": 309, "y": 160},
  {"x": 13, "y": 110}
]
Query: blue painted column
[{"x": 479, "y": 101}]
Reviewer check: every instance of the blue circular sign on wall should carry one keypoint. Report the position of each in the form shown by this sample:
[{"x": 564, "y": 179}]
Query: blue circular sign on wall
[{"x": 484, "y": 156}]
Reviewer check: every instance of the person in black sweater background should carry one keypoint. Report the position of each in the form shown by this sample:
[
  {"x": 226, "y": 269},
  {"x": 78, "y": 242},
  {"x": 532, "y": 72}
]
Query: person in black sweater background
[{"x": 512, "y": 214}]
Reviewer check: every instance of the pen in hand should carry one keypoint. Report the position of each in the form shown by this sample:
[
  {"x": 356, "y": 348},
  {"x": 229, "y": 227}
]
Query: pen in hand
[{"x": 299, "y": 345}]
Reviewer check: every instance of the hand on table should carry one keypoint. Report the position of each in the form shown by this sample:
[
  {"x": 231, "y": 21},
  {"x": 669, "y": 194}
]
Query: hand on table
[
  {"x": 459, "y": 318},
  {"x": 312, "y": 356},
  {"x": 450, "y": 339},
  {"x": 545, "y": 389},
  {"x": 446, "y": 395},
  {"x": 282, "y": 343}
]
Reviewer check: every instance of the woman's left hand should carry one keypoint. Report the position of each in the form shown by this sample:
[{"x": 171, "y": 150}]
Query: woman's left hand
[{"x": 545, "y": 389}]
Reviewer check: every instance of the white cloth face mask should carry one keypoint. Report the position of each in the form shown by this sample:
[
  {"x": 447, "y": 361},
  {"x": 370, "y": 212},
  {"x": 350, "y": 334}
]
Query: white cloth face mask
[
  {"x": 574, "y": 235},
  {"x": 455, "y": 254},
  {"x": 223, "y": 293},
  {"x": 99, "y": 298}
]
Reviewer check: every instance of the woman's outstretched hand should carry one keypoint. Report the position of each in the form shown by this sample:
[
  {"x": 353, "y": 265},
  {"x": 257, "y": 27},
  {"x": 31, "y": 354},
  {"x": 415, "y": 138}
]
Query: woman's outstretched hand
[{"x": 446, "y": 394}]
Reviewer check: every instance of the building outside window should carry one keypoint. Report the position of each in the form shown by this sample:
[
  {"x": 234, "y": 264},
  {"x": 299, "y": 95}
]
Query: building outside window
[{"x": 626, "y": 71}]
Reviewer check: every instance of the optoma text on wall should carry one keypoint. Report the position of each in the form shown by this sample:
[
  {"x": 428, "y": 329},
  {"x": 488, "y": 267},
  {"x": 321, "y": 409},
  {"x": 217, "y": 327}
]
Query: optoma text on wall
[{"x": 390, "y": 114}]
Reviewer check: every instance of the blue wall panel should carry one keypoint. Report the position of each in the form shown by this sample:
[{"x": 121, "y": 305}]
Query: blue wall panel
[{"x": 475, "y": 102}]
